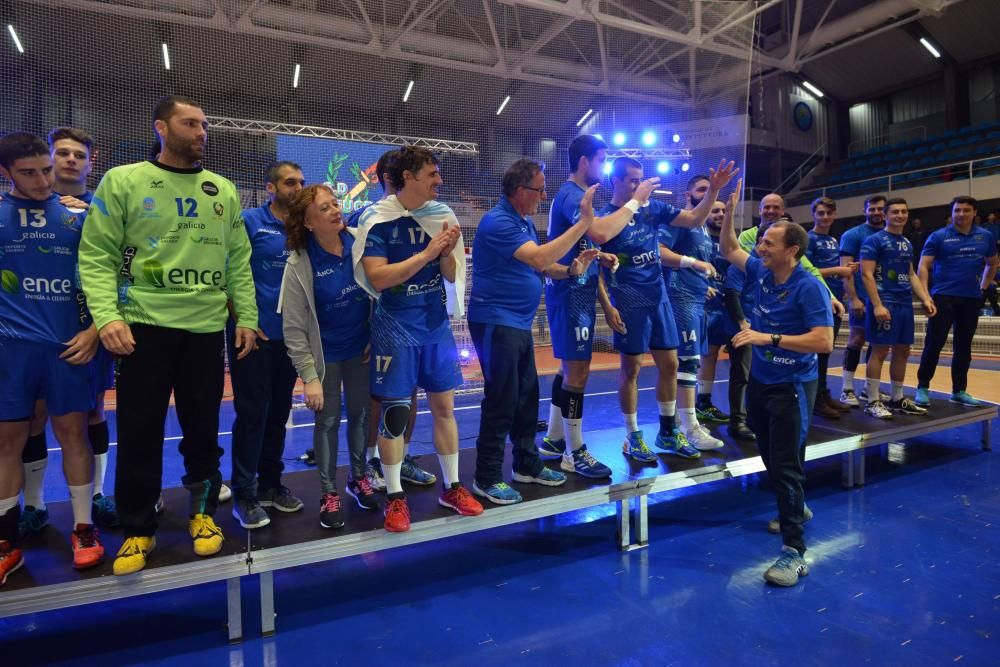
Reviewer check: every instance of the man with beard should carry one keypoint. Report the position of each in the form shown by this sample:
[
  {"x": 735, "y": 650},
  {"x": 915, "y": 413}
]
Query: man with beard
[
  {"x": 264, "y": 379},
  {"x": 163, "y": 251}
]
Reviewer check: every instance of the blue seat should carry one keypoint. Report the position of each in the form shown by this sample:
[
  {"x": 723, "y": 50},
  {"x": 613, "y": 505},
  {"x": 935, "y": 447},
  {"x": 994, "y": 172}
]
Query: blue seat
[
  {"x": 922, "y": 150},
  {"x": 924, "y": 161},
  {"x": 968, "y": 129},
  {"x": 938, "y": 147},
  {"x": 904, "y": 154},
  {"x": 948, "y": 134},
  {"x": 878, "y": 171},
  {"x": 954, "y": 143},
  {"x": 993, "y": 135},
  {"x": 909, "y": 164}
]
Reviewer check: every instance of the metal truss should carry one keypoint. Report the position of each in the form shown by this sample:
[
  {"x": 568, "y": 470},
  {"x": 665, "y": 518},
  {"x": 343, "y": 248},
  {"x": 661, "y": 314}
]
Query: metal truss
[
  {"x": 436, "y": 145},
  {"x": 651, "y": 153}
]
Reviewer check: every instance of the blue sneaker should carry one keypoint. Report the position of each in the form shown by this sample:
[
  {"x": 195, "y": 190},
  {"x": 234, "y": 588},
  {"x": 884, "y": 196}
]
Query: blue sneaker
[
  {"x": 552, "y": 449},
  {"x": 963, "y": 398},
  {"x": 677, "y": 443},
  {"x": 500, "y": 493},
  {"x": 32, "y": 520},
  {"x": 545, "y": 477},
  {"x": 583, "y": 463},
  {"x": 923, "y": 397},
  {"x": 414, "y": 474},
  {"x": 104, "y": 511},
  {"x": 787, "y": 569},
  {"x": 635, "y": 448}
]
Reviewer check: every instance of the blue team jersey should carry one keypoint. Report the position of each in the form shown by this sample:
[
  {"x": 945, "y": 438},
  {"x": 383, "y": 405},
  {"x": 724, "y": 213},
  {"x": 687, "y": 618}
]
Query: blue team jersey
[
  {"x": 687, "y": 285},
  {"x": 268, "y": 255},
  {"x": 792, "y": 308},
  {"x": 824, "y": 253},
  {"x": 721, "y": 265},
  {"x": 959, "y": 260},
  {"x": 355, "y": 216},
  {"x": 413, "y": 313},
  {"x": 737, "y": 280},
  {"x": 505, "y": 291},
  {"x": 342, "y": 307},
  {"x": 564, "y": 213},
  {"x": 638, "y": 283},
  {"x": 40, "y": 296},
  {"x": 892, "y": 254},
  {"x": 850, "y": 245},
  {"x": 86, "y": 197}
]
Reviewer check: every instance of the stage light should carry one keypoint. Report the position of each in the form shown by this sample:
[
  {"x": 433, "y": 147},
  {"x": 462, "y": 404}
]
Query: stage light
[
  {"x": 464, "y": 354},
  {"x": 13, "y": 35},
  {"x": 813, "y": 89},
  {"x": 295, "y": 75},
  {"x": 503, "y": 104},
  {"x": 685, "y": 166},
  {"x": 648, "y": 138},
  {"x": 166, "y": 56},
  {"x": 676, "y": 138},
  {"x": 598, "y": 136},
  {"x": 607, "y": 168},
  {"x": 409, "y": 89},
  {"x": 663, "y": 166},
  {"x": 618, "y": 139},
  {"x": 585, "y": 117},
  {"x": 930, "y": 47}
]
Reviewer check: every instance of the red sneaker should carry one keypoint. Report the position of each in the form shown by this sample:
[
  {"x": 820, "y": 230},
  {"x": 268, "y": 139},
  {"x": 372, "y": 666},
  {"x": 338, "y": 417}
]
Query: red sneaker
[
  {"x": 87, "y": 548},
  {"x": 397, "y": 516},
  {"x": 459, "y": 499},
  {"x": 10, "y": 560}
]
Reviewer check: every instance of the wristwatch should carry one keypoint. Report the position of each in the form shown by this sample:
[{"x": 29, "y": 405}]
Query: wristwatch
[{"x": 776, "y": 339}]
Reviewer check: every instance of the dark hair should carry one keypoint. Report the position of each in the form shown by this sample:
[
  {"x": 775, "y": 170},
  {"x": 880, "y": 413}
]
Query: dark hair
[
  {"x": 295, "y": 221},
  {"x": 382, "y": 166},
  {"x": 17, "y": 145},
  {"x": 520, "y": 174},
  {"x": 965, "y": 199},
  {"x": 873, "y": 199},
  {"x": 73, "y": 133},
  {"x": 895, "y": 201},
  {"x": 621, "y": 166},
  {"x": 822, "y": 201},
  {"x": 274, "y": 169},
  {"x": 165, "y": 106},
  {"x": 585, "y": 145},
  {"x": 694, "y": 179},
  {"x": 795, "y": 235},
  {"x": 411, "y": 159}
]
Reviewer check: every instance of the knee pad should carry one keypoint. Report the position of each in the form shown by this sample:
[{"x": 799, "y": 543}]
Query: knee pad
[
  {"x": 572, "y": 407},
  {"x": 99, "y": 437},
  {"x": 687, "y": 371},
  {"x": 851, "y": 359},
  {"x": 35, "y": 449},
  {"x": 395, "y": 415}
]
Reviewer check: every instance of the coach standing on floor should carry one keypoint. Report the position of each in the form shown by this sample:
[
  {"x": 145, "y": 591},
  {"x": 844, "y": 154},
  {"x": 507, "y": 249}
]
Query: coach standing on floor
[
  {"x": 506, "y": 288},
  {"x": 790, "y": 323},
  {"x": 963, "y": 257}
]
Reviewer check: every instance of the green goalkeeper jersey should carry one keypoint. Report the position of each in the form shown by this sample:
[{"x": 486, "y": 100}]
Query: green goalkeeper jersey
[{"x": 166, "y": 247}]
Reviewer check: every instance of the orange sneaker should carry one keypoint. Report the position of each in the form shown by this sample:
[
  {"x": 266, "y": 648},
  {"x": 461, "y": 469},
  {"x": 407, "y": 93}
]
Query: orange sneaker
[
  {"x": 10, "y": 560},
  {"x": 87, "y": 548},
  {"x": 397, "y": 516},
  {"x": 459, "y": 499}
]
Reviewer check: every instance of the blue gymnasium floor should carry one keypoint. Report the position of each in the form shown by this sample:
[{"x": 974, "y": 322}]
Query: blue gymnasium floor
[{"x": 904, "y": 571}]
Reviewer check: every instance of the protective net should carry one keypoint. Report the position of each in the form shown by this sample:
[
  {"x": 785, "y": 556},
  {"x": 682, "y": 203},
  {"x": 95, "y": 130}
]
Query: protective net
[{"x": 331, "y": 84}]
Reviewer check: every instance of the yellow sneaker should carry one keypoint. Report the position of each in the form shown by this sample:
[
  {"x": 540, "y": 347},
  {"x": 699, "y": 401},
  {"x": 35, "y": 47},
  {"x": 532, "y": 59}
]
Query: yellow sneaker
[
  {"x": 207, "y": 536},
  {"x": 132, "y": 556}
]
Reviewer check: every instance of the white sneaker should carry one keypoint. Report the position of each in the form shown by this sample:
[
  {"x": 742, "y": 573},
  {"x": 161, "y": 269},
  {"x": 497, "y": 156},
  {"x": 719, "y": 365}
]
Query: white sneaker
[
  {"x": 701, "y": 438},
  {"x": 225, "y": 493},
  {"x": 848, "y": 397},
  {"x": 878, "y": 410}
]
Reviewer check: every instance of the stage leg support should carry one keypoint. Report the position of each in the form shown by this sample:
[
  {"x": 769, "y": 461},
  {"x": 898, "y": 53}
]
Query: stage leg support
[
  {"x": 852, "y": 468},
  {"x": 267, "y": 603},
  {"x": 987, "y": 427},
  {"x": 634, "y": 508},
  {"x": 235, "y": 610}
]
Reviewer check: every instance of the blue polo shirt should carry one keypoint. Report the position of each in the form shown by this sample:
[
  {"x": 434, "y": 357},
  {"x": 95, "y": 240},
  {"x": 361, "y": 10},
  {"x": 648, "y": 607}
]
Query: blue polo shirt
[
  {"x": 824, "y": 253},
  {"x": 850, "y": 245},
  {"x": 792, "y": 308},
  {"x": 342, "y": 307},
  {"x": 893, "y": 257},
  {"x": 959, "y": 260},
  {"x": 638, "y": 282},
  {"x": 505, "y": 291},
  {"x": 268, "y": 254}
]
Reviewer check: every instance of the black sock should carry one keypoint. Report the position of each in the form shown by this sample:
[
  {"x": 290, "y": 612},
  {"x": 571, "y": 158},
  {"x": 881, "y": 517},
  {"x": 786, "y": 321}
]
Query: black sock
[
  {"x": 668, "y": 423},
  {"x": 704, "y": 401}
]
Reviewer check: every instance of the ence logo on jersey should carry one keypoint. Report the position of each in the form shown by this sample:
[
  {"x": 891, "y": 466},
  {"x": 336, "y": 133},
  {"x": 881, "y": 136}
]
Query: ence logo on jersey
[
  {"x": 44, "y": 289},
  {"x": 153, "y": 272},
  {"x": 784, "y": 361}
]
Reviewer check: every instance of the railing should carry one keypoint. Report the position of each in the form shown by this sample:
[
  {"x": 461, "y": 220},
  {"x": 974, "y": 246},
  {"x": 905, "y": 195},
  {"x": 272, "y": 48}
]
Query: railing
[
  {"x": 966, "y": 169},
  {"x": 861, "y": 145},
  {"x": 804, "y": 168}
]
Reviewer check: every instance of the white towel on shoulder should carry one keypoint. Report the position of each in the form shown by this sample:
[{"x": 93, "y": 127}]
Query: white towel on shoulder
[{"x": 431, "y": 217}]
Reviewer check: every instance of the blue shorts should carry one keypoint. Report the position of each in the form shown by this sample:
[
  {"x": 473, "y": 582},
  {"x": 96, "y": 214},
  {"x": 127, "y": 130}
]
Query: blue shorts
[
  {"x": 897, "y": 331},
  {"x": 691, "y": 328},
  {"x": 395, "y": 372},
  {"x": 103, "y": 370},
  {"x": 646, "y": 329},
  {"x": 718, "y": 328},
  {"x": 34, "y": 371},
  {"x": 853, "y": 320},
  {"x": 571, "y": 325}
]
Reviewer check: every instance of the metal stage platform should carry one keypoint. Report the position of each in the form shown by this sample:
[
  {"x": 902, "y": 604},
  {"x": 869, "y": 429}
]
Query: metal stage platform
[{"x": 48, "y": 581}]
